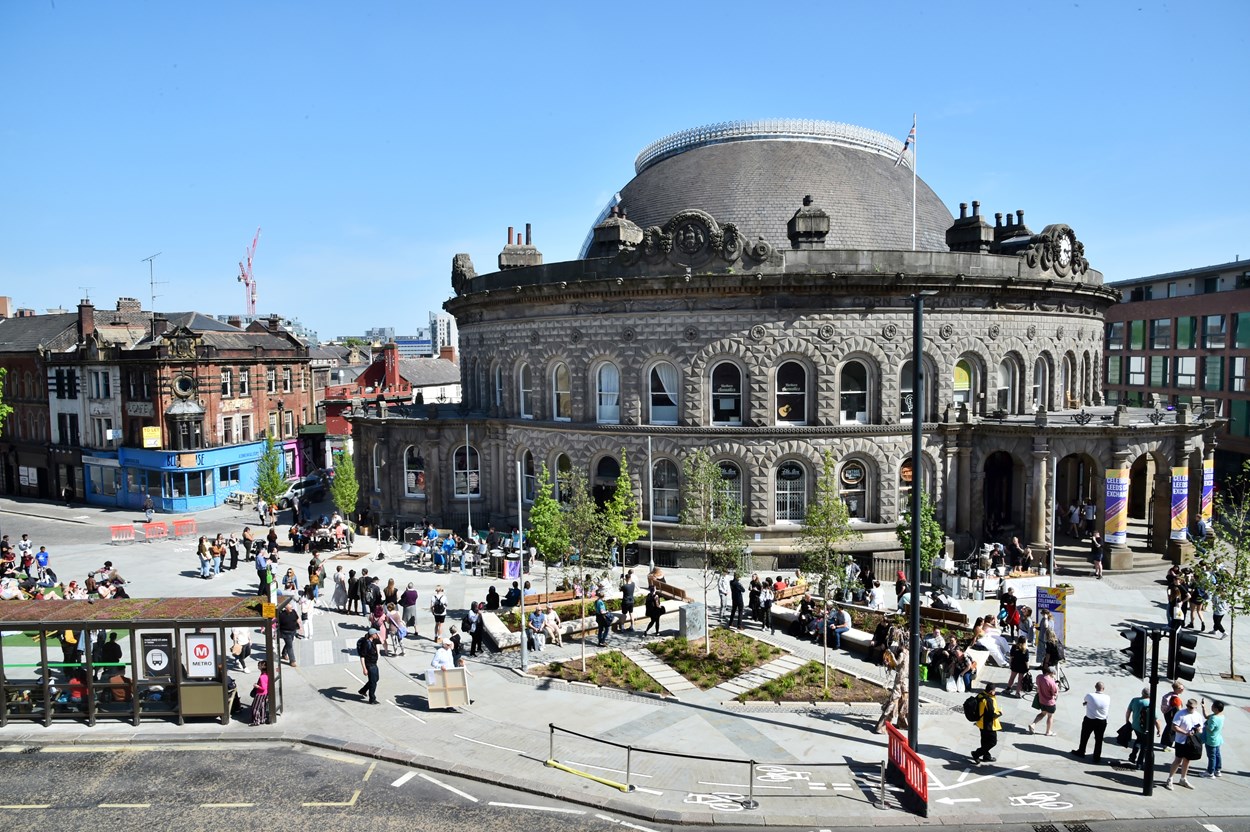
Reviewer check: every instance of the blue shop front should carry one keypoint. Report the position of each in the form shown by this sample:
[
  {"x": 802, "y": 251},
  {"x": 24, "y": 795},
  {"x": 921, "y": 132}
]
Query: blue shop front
[{"x": 177, "y": 481}]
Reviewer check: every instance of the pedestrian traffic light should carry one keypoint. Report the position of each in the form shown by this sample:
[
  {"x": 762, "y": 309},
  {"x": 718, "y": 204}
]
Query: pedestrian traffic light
[
  {"x": 1183, "y": 654},
  {"x": 1136, "y": 651}
]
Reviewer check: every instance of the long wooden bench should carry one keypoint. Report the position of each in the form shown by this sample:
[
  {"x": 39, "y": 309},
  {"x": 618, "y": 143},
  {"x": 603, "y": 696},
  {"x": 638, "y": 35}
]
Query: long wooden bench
[
  {"x": 671, "y": 592},
  {"x": 857, "y": 639},
  {"x": 949, "y": 618}
]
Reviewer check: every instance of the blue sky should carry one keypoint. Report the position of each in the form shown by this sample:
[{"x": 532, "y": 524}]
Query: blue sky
[{"x": 373, "y": 140}]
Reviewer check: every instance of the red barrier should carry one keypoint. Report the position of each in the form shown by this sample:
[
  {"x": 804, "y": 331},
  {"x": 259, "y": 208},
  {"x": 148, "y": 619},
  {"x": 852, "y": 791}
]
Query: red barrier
[
  {"x": 184, "y": 528},
  {"x": 907, "y": 765},
  {"x": 122, "y": 534},
  {"x": 154, "y": 531}
]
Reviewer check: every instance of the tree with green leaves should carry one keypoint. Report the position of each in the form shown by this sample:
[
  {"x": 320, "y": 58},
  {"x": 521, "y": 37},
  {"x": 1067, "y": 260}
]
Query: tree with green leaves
[
  {"x": 270, "y": 484},
  {"x": 714, "y": 517},
  {"x": 588, "y": 535},
  {"x": 826, "y": 530},
  {"x": 621, "y": 516},
  {"x": 932, "y": 538},
  {"x": 1224, "y": 566},
  {"x": 5, "y": 409},
  {"x": 547, "y": 532},
  {"x": 344, "y": 487}
]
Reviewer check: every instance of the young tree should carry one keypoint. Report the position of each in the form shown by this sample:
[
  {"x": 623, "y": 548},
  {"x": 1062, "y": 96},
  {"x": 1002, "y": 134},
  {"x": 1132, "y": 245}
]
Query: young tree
[
  {"x": 547, "y": 532},
  {"x": 621, "y": 517},
  {"x": 932, "y": 538},
  {"x": 344, "y": 487},
  {"x": 714, "y": 518},
  {"x": 5, "y": 409},
  {"x": 1224, "y": 567},
  {"x": 826, "y": 527},
  {"x": 270, "y": 484},
  {"x": 588, "y": 534}
]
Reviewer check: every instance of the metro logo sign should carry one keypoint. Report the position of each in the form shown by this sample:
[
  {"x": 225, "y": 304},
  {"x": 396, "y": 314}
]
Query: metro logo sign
[{"x": 200, "y": 653}]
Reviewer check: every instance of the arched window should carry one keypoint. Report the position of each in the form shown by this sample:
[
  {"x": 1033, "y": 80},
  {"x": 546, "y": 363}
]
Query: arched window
[
  {"x": 465, "y": 472},
  {"x": 731, "y": 483},
  {"x": 1039, "y": 383},
  {"x": 791, "y": 394},
  {"x": 906, "y": 481},
  {"x": 482, "y": 399},
  {"x": 529, "y": 477},
  {"x": 965, "y": 378},
  {"x": 525, "y": 392},
  {"x": 907, "y": 396},
  {"x": 726, "y": 394},
  {"x": 853, "y": 488},
  {"x": 377, "y": 467},
  {"x": 608, "y": 391},
  {"x": 665, "y": 492},
  {"x": 1007, "y": 385},
  {"x": 664, "y": 381},
  {"x": 853, "y": 393},
  {"x": 414, "y": 472},
  {"x": 564, "y": 479},
  {"x": 498, "y": 386},
  {"x": 561, "y": 394},
  {"x": 790, "y": 492},
  {"x": 1067, "y": 382}
]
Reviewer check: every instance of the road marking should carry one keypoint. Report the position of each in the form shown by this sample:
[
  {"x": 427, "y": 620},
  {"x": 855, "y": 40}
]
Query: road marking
[
  {"x": 449, "y": 788},
  {"x": 226, "y": 805},
  {"x": 625, "y": 823},
  {"x": 488, "y": 745},
  {"x": 405, "y": 712},
  {"x": 372, "y": 766},
  {"x": 648, "y": 791},
  {"x": 964, "y": 775},
  {"x": 353, "y": 675},
  {"x": 335, "y": 628},
  {"x": 951, "y": 801},
  {"x": 25, "y": 805},
  {"x": 1002, "y": 773},
  {"x": 603, "y": 768},
  {"x": 404, "y": 779},
  {"x": 1211, "y": 827},
  {"x": 742, "y": 786},
  {"x": 124, "y": 806},
  {"x": 537, "y": 808},
  {"x": 341, "y": 758},
  {"x": 352, "y": 802}
]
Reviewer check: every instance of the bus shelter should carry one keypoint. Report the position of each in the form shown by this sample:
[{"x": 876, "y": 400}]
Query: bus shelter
[{"x": 173, "y": 658}]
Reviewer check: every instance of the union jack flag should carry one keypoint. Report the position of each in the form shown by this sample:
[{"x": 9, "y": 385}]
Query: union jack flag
[{"x": 908, "y": 142}]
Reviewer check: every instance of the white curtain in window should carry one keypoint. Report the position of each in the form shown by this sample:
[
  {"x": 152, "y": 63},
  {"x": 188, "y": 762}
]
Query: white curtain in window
[
  {"x": 609, "y": 385},
  {"x": 667, "y": 374}
]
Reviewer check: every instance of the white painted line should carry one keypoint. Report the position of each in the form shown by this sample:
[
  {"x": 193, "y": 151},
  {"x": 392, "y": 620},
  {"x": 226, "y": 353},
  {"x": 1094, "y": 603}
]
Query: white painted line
[
  {"x": 353, "y": 675},
  {"x": 537, "y": 808},
  {"x": 843, "y": 789},
  {"x": 226, "y": 805},
  {"x": 625, "y": 823},
  {"x": 488, "y": 745},
  {"x": 124, "y": 806},
  {"x": 405, "y": 712},
  {"x": 449, "y": 788},
  {"x": 740, "y": 786},
  {"x": 602, "y": 768},
  {"x": 648, "y": 791},
  {"x": 1002, "y": 773},
  {"x": 1211, "y": 827},
  {"x": 964, "y": 775},
  {"x": 335, "y": 628},
  {"x": 404, "y": 779}
]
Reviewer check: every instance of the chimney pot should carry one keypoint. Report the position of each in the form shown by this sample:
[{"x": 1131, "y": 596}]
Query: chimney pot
[
  {"x": 998, "y": 219},
  {"x": 976, "y": 208},
  {"x": 807, "y": 199},
  {"x": 963, "y": 210},
  {"x": 622, "y": 212},
  {"x": 509, "y": 235},
  {"x": 1020, "y": 217},
  {"x": 529, "y": 239}
]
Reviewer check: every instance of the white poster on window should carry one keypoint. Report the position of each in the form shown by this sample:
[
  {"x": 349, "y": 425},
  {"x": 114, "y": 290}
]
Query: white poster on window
[{"x": 200, "y": 652}]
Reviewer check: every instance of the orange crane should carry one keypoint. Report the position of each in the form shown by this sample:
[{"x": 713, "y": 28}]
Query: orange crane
[{"x": 247, "y": 279}]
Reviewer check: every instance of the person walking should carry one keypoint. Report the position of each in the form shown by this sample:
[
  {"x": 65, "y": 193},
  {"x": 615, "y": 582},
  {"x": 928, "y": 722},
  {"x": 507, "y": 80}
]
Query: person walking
[
  {"x": 988, "y": 723},
  {"x": 408, "y": 604},
  {"x": 148, "y": 508},
  {"x": 737, "y": 595},
  {"x": 1219, "y": 609},
  {"x": 367, "y": 650},
  {"x": 241, "y": 646},
  {"x": 655, "y": 610},
  {"x": 1187, "y": 738},
  {"x": 1097, "y": 705},
  {"x": 1137, "y": 715},
  {"x": 628, "y": 590},
  {"x": 262, "y": 573},
  {"x": 1170, "y": 707},
  {"x": 1047, "y": 641},
  {"x": 288, "y": 629},
  {"x": 767, "y": 596},
  {"x": 1213, "y": 737},
  {"x": 603, "y": 618},
  {"x": 895, "y": 708},
  {"x": 1018, "y": 661},
  {"x": 438, "y": 609},
  {"x": 1095, "y": 554},
  {"x": 1046, "y": 700},
  {"x": 353, "y": 592},
  {"x": 339, "y": 598},
  {"x": 722, "y": 589},
  {"x": 476, "y": 629}
]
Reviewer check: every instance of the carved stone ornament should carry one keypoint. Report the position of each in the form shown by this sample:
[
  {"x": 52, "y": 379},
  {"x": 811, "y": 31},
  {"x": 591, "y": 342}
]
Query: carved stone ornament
[
  {"x": 1058, "y": 250},
  {"x": 694, "y": 238},
  {"x": 1031, "y": 331},
  {"x": 758, "y": 332},
  {"x": 628, "y": 334},
  {"x": 692, "y": 333},
  {"x": 535, "y": 338},
  {"x": 889, "y": 331},
  {"x": 461, "y": 273},
  {"x": 826, "y": 332},
  {"x": 576, "y": 336},
  {"x": 946, "y": 331},
  {"x": 995, "y": 329},
  {"x": 1059, "y": 333}
]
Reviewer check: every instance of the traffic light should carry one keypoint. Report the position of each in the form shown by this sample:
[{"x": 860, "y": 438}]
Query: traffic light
[
  {"x": 1183, "y": 654},
  {"x": 1136, "y": 652}
]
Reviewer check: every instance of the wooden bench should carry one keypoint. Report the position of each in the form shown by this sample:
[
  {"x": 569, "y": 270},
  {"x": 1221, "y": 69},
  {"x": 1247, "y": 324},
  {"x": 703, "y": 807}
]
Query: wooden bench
[
  {"x": 949, "y": 618},
  {"x": 671, "y": 592},
  {"x": 857, "y": 639},
  {"x": 791, "y": 591},
  {"x": 558, "y": 597}
]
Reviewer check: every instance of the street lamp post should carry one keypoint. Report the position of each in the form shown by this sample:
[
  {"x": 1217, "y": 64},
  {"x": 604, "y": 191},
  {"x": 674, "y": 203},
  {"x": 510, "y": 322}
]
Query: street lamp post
[{"x": 917, "y": 495}]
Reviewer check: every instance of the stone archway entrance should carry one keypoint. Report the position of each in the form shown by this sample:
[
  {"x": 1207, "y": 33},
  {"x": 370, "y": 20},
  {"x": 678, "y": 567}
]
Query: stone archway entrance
[
  {"x": 1003, "y": 491},
  {"x": 604, "y": 486},
  {"x": 1078, "y": 480}
]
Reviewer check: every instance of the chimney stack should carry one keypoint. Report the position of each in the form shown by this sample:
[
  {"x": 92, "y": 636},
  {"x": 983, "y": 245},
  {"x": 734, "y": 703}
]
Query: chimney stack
[{"x": 86, "y": 320}]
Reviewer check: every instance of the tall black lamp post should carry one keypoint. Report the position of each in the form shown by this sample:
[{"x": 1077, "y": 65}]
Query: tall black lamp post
[{"x": 917, "y": 493}]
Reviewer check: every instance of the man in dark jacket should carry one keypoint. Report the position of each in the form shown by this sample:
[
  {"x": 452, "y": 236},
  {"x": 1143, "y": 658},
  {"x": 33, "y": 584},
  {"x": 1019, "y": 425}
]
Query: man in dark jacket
[
  {"x": 737, "y": 593},
  {"x": 288, "y": 629},
  {"x": 362, "y": 592}
]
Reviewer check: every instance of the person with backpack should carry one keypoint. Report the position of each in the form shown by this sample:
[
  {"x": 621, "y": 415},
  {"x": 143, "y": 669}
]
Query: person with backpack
[
  {"x": 983, "y": 710},
  {"x": 1019, "y": 664},
  {"x": 1138, "y": 717},
  {"x": 1170, "y": 706},
  {"x": 438, "y": 609},
  {"x": 1187, "y": 733}
]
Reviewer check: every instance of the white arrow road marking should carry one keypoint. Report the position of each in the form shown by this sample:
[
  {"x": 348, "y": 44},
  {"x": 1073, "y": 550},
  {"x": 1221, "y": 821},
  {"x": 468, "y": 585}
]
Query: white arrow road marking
[
  {"x": 404, "y": 779},
  {"x": 951, "y": 801},
  {"x": 449, "y": 788},
  {"x": 1211, "y": 827},
  {"x": 648, "y": 791},
  {"x": 1002, "y": 773}
]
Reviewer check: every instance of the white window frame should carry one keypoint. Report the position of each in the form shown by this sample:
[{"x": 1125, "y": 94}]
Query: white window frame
[
  {"x": 525, "y": 392},
  {"x": 665, "y": 490},
  {"x": 561, "y": 393},
  {"x": 731, "y": 397},
  {"x": 663, "y": 382},
  {"x": 608, "y": 394},
  {"x": 790, "y": 494},
  {"x": 466, "y": 473},
  {"x": 797, "y": 402}
]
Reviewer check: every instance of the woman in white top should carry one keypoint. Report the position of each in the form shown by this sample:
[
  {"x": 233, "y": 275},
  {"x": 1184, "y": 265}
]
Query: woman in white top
[
  {"x": 340, "y": 589},
  {"x": 1186, "y": 722}
]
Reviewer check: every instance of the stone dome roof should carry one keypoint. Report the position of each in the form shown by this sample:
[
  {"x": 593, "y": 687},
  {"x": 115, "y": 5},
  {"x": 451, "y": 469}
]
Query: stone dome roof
[{"x": 756, "y": 173}]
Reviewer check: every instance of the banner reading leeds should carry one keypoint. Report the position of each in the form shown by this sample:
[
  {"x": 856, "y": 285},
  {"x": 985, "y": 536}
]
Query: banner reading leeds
[
  {"x": 1116, "y": 513},
  {"x": 1180, "y": 502}
]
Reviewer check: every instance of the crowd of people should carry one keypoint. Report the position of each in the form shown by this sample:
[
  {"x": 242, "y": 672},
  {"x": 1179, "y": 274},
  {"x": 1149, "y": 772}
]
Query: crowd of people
[{"x": 27, "y": 573}]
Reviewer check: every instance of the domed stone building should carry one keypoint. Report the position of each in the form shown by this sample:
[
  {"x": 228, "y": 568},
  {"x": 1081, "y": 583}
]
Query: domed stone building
[{"x": 752, "y": 294}]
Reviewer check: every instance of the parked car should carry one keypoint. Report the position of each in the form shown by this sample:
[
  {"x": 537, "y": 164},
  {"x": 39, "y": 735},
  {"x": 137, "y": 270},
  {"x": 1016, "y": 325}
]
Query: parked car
[{"x": 308, "y": 488}]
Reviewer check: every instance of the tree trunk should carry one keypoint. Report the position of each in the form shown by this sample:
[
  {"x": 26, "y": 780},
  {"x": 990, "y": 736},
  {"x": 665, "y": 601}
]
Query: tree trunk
[
  {"x": 1232, "y": 642},
  {"x": 583, "y": 625}
]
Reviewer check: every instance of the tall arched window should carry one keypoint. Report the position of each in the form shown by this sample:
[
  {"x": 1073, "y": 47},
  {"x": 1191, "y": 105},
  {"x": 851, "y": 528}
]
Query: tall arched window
[
  {"x": 608, "y": 391},
  {"x": 1067, "y": 382},
  {"x": 791, "y": 394},
  {"x": 664, "y": 381},
  {"x": 414, "y": 472},
  {"x": 483, "y": 399},
  {"x": 529, "y": 477},
  {"x": 465, "y": 472},
  {"x": 726, "y": 394},
  {"x": 561, "y": 394},
  {"x": 790, "y": 492},
  {"x": 853, "y": 393},
  {"x": 964, "y": 382},
  {"x": 853, "y": 488},
  {"x": 906, "y": 481},
  {"x": 498, "y": 386},
  {"x": 525, "y": 392},
  {"x": 908, "y": 394},
  {"x": 564, "y": 479},
  {"x": 1039, "y": 383},
  {"x": 665, "y": 493},
  {"x": 1007, "y": 385},
  {"x": 731, "y": 483},
  {"x": 377, "y": 467}
]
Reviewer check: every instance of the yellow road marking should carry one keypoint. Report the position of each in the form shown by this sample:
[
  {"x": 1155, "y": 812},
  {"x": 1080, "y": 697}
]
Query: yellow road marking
[
  {"x": 352, "y": 802},
  {"x": 372, "y": 766},
  {"x": 125, "y": 806}
]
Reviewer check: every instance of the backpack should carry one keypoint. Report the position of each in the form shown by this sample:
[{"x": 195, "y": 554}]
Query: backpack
[
  {"x": 1026, "y": 683},
  {"x": 972, "y": 708},
  {"x": 439, "y": 607}
]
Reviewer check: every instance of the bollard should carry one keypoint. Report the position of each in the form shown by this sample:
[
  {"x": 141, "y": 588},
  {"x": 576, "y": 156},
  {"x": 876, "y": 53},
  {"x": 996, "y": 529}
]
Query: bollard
[
  {"x": 629, "y": 757},
  {"x": 750, "y": 801},
  {"x": 551, "y": 740},
  {"x": 881, "y": 802}
]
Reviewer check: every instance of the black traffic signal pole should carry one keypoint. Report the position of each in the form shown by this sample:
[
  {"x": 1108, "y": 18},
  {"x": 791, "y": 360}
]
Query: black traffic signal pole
[{"x": 1148, "y": 749}]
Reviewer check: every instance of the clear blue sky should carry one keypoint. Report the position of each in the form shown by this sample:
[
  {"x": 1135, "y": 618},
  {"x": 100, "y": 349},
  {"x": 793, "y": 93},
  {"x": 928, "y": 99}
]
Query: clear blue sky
[{"x": 374, "y": 140}]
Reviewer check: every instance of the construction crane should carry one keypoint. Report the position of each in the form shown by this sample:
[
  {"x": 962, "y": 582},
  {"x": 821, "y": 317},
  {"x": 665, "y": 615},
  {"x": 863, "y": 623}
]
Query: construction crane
[{"x": 247, "y": 279}]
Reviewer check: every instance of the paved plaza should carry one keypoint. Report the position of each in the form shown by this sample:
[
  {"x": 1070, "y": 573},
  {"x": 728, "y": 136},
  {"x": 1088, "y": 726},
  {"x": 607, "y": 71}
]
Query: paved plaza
[{"x": 812, "y": 761}]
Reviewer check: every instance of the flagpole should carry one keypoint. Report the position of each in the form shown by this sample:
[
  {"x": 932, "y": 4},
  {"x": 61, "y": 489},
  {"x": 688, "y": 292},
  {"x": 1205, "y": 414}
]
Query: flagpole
[{"x": 914, "y": 145}]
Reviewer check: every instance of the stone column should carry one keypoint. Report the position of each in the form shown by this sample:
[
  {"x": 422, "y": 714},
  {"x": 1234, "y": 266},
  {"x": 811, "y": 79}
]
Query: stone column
[
  {"x": 1038, "y": 538},
  {"x": 1180, "y": 550},
  {"x": 963, "y": 520},
  {"x": 950, "y": 476},
  {"x": 1119, "y": 556}
]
